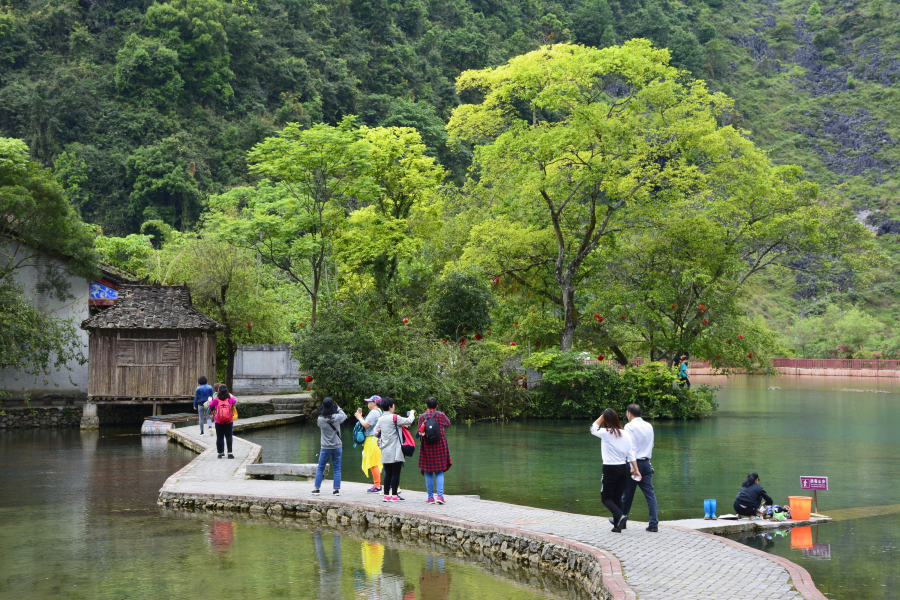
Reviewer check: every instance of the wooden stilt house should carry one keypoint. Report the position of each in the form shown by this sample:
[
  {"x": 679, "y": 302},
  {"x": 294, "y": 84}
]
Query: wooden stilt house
[{"x": 149, "y": 347}]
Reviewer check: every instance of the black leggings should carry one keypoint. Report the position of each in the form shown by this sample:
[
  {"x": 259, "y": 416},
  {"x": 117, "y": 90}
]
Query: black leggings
[
  {"x": 391, "y": 478},
  {"x": 224, "y": 433},
  {"x": 612, "y": 487}
]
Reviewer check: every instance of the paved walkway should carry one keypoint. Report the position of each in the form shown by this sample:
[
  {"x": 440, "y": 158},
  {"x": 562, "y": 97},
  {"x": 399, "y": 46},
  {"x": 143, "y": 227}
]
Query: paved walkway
[{"x": 675, "y": 563}]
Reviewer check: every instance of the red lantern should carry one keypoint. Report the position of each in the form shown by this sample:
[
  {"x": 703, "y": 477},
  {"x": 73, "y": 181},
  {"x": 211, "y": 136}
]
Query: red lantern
[
  {"x": 512, "y": 343},
  {"x": 729, "y": 342},
  {"x": 718, "y": 357},
  {"x": 705, "y": 321},
  {"x": 673, "y": 305},
  {"x": 308, "y": 378},
  {"x": 750, "y": 355},
  {"x": 702, "y": 308},
  {"x": 405, "y": 320},
  {"x": 249, "y": 325},
  {"x": 740, "y": 337},
  {"x": 462, "y": 346},
  {"x": 597, "y": 316},
  {"x": 308, "y": 388},
  {"x": 477, "y": 336},
  {"x": 599, "y": 319},
  {"x": 623, "y": 317},
  {"x": 601, "y": 357},
  {"x": 463, "y": 341},
  {"x": 496, "y": 281}
]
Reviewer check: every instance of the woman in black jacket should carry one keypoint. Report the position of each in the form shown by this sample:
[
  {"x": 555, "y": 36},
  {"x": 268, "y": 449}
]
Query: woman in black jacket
[{"x": 747, "y": 501}]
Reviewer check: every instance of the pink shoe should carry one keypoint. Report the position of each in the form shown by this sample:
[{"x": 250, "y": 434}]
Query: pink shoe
[
  {"x": 440, "y": 500},
  {"x": 429, "y": 501},
  {"x": 387, "y": 499},
  {"x": 395, "y": 499}
]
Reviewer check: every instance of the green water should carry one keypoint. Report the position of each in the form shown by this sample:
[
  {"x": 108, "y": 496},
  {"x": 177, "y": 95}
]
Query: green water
[
  {"x": 808, "y": 427},
  {"x": 78, "y": 520}
]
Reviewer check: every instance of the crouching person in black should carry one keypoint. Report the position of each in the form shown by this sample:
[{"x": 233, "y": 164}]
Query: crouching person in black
[{"x": 747, "y": 501}]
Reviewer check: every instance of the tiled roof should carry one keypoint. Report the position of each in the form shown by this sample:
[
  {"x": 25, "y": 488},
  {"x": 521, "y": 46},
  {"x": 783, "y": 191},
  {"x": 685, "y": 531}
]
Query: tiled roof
[{"x": 152, "y": 307}]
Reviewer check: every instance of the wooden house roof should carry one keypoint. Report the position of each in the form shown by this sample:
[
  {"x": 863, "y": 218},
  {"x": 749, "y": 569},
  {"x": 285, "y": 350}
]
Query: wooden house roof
[{"x": 152, "y": 307}]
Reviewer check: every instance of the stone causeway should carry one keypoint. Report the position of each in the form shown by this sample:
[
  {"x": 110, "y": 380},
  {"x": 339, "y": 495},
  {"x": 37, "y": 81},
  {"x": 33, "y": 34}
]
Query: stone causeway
[{"x": 675, "y": 563}]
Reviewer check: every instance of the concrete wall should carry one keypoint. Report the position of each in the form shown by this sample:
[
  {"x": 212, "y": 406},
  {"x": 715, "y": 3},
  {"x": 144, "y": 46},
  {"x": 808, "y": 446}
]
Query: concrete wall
[
  {"x": 71, "y": 382},
  {"x": 265, "y": 369}
]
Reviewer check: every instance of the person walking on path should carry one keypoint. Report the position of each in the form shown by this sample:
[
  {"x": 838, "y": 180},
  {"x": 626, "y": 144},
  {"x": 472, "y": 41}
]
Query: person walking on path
[
  {"x": 683, "y": 372},
  {"x": 434, "y": 457},
  {"x": 371, "y": 454},
  {"x": 203, "y": 394},
  {"x": 388, "y": 428},
  {"x": 330, "y": 418},
  {"x": 642, "y": 439},
  {"x": 617, "y": 450},
  {"x": 747, "y": 501},
  {"x": 223, "y": 414}
]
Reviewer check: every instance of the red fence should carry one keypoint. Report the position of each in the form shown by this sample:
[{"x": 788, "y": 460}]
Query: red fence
[{"x": 837, "y": 363}]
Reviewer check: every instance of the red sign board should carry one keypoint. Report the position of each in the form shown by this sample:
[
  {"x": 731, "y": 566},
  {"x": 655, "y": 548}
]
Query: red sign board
[{"x": 814, "y": 483}]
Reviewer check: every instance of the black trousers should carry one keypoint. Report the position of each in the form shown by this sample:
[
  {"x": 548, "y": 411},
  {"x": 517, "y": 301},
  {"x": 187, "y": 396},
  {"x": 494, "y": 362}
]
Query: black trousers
[
  {"x": 612, "y": 486},
  {"x": 391, "y": 478},
  {"x": 746, "y": 510},
  {"x": 224, "y": 433}
]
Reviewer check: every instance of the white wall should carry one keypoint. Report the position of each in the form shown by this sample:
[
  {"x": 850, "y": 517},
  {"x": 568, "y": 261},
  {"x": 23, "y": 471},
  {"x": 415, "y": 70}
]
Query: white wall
[
  {"x": 73, "y": 381},
  {"x": 265, "y": 369}
]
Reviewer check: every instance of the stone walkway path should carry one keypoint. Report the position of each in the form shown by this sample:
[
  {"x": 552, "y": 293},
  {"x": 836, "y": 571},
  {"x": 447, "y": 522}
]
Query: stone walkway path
[{"x": 674, "y": 563}]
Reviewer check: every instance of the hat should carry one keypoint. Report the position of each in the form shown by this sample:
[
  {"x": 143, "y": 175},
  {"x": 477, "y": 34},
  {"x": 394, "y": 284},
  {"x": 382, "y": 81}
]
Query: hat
[{"x": 375, "y": 399}]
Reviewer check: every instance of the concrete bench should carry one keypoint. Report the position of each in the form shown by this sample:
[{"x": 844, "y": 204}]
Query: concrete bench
[{"x": 270, "y": 470}]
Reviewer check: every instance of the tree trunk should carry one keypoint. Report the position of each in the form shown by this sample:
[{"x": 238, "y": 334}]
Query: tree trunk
[
  {"x": 229, "y": 360},
  {"x": 571, "y": 318},
  {"x": 620, "y": 356},
  {"x": 314, "y": 299}
]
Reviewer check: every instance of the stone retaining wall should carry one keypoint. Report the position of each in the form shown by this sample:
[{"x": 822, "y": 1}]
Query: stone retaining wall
[
  {"x": 587, "y": 567},
  {"x": 25, "y": 417}
]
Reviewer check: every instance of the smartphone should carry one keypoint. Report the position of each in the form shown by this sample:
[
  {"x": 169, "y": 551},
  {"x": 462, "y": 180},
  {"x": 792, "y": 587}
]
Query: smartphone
[{"x": 409, "y": 413}]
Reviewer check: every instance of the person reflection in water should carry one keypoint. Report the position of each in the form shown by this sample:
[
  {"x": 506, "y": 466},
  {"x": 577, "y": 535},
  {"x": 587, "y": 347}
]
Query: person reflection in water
[
  {"x": 329, "y": 571},
  {"x": 221, "y": 535},
  {"x": 434, "y": 581}
]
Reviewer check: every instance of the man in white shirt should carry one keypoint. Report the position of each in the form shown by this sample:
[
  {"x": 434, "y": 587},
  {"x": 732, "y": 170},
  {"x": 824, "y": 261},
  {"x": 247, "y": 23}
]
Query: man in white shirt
[{"x": 642, "y": 437}]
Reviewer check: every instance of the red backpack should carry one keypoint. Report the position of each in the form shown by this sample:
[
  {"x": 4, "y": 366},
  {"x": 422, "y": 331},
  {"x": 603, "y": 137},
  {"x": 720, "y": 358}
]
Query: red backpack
[{"x": 224, "y": 414}]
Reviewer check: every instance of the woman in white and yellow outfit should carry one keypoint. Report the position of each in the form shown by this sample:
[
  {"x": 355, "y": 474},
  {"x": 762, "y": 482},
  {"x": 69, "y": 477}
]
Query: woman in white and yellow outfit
[{"x": 371, "y": 455}]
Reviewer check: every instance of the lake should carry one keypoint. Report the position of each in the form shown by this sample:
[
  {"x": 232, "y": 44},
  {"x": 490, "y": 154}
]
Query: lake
[{"x": 810, "y": 426}]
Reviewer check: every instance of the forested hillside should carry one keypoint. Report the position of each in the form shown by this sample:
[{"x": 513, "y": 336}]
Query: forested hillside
[{"x": 147, "y": 109}]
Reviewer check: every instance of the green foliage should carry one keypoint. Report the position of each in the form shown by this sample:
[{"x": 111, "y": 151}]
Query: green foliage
[
  {"x": 353, "y": 354},
  {"x": 814, "y": 12},
  {"x": 194, "y": 30},
  {"x": 147, "y": 73},
  {"x": 573, "y": 386},
  {"x": 461, "y": 305},
  {"x": 37, "y": 218}
]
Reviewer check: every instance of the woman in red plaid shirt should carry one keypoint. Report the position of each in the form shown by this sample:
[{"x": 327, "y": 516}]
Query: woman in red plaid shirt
[{"x": 434, "y": 458}]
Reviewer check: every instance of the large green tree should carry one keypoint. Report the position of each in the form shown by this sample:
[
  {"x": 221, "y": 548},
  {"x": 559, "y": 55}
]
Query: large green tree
[
  {"x": 579, "y": 142},
  {"x": 292, "y": 224}
]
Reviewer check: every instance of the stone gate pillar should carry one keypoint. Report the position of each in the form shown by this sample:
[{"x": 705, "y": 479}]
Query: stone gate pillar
[{"x": 89, "y": 418}]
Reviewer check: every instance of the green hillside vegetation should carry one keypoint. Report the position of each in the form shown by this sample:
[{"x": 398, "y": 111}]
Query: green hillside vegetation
[{"x": 146, "y": 110}]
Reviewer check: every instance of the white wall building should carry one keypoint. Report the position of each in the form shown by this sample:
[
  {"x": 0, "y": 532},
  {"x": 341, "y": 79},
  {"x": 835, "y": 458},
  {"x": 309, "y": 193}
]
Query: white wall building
[{"x": 84, "y": 294}]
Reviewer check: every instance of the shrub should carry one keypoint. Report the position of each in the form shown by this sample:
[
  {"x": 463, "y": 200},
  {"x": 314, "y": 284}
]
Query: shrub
[{"x": 572, "y": 387}]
